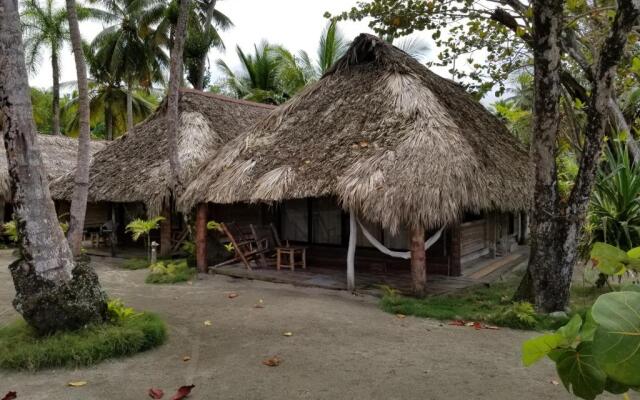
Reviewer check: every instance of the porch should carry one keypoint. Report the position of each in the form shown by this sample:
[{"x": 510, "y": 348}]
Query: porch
[{"x": 370, "y": 276}]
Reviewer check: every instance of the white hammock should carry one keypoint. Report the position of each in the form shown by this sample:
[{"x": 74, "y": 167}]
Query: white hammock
[{"x": 398, "y": 254}]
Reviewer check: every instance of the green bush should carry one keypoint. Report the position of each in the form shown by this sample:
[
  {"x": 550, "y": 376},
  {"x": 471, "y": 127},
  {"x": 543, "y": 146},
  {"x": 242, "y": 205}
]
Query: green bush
[
  {"x": 22, "y": 349},
  {"x": 135, "y": 263},
  {"x": 170, "y": 272}
]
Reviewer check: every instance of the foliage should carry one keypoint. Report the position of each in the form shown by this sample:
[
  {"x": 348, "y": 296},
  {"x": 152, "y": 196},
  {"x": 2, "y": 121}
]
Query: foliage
[
  {"x": 139, "y": 227},
  {"x": 491, "y": 304},
  {"x": 135, "y": 263},
  {"x": 10, "y": 230},
  {"x": 611, "y": 260},
  {"x": 598, "y": 353},
  {"x": 22, "y": 349},
  {"x": 119, "y": 313},
  {"x": 170, "y": 272},
  {"x": 614, "y": 212}
]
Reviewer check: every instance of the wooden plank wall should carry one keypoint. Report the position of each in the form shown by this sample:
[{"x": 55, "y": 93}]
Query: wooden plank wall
[{"x": 473, "y": 237}]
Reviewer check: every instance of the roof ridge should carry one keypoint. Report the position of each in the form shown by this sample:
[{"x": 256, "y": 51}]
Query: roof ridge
[{"x": 227, "y": 98}]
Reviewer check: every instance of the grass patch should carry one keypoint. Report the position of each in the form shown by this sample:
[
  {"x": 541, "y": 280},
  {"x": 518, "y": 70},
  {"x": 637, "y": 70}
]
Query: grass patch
[
  {"x": 170, "y": 272},
  {"x": 490, "y": 304},
  {"x": 22, "y": 349},
  {"x": 135, "y": 263}
]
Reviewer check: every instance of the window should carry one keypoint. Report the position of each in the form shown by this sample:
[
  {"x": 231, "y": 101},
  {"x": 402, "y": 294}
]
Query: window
[{"x": 295, "y": 220}]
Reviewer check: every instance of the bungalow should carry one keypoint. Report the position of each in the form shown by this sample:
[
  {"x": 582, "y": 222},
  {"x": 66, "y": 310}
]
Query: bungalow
[
  {"x": 131, "y": 176},
  {"x": 382, "y": 150}
]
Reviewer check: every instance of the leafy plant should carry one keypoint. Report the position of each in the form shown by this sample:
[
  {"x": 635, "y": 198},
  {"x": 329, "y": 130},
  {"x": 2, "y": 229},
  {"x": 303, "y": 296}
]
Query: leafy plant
[
  {"x": 10, "y": 230},
  {"x": 135, "y": 263},
  {"x": 600, "y": 353},
  {"x": 213, "y": 225},
  {"x": 518, "y": 314},
  {"x": 171, "y": 272},
  {"x": 140, "y": 227},
  {"x": 610, "y": 260},
  {"x": 118, "y": 312}
]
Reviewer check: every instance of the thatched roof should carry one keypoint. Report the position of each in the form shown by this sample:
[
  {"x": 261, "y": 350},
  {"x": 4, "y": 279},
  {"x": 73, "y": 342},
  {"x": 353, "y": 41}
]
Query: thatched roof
[
  {"x": 59, "y": 156},
  {"x": 386, "y": 136},
  {"x": 135, "y": 167}
]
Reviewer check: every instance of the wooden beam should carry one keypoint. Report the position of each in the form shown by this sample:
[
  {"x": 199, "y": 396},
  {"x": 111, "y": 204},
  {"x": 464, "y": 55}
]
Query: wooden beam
[
  {"x": 202, "y": 214},
  {"x": 114, "y": 232},
  {"x": 455, "y": 253},
  {"x": 418, "y": 261},
  {"x": 351, "y": 252},
  {"x": 165, "y": 230}
]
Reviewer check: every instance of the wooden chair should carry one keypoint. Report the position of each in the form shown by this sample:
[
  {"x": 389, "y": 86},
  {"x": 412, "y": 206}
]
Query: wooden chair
[{"x": 246, "y": 247}]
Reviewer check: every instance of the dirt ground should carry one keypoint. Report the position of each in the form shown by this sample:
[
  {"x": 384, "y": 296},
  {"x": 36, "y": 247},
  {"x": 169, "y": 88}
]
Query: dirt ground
[{"x": 342, "y": 347}]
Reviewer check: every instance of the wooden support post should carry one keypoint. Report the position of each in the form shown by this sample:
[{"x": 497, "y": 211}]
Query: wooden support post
[
  {"x": 2, "y": 206},
  {"x": 522, "y": 235},
  {"x": 418, "y": 262},
  {"x": 165, "y": 231},
  {"x": 202, "y": 214},
  {"x": 113, "y": 236},
  {"x": 351, "y": 253},
  {"x": 455, "y": 254}
]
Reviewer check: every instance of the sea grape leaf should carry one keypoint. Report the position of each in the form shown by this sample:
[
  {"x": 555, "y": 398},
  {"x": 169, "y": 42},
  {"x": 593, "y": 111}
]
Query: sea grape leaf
[
  {"x": 571, "y": 330},
  {"x": 156, "y": 393},
  {"x": 536, "y": 348},
  {"x": 579, "y": 372},
  {"x": 183, "y": 392},
  {"x": 614, "y": 387},
  {"x": 609, "y": 259},
  {"x": 588, "y": 328},
  {"x": 634, "y": 253},
  {"x": 10, "y": 396},
  {"x": 616, "y": 343}
]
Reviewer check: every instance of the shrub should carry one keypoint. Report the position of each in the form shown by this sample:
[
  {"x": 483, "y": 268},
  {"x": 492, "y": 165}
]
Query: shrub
[
  {"x": 135, "y": 263},
  {"x": 22, "y": 349},
  {"x": 170, "y": 272},
  {"x": 520, "y": 315}
]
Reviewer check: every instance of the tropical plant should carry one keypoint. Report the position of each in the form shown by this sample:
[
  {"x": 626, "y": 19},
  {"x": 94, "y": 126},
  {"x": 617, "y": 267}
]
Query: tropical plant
[
  {"x": 171, "y": 272},
  {"x": 142, "y": 228},
  {"x": 130, "y": 48},
  {"x": 118, "y": 313},
  {"x": 44, "y": 25}
]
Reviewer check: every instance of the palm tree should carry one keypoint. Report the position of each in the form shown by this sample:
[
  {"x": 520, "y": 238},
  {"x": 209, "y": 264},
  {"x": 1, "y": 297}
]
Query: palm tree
[
  {"x": 131, "y": 48},
  {"x": 47, "y": 26}
]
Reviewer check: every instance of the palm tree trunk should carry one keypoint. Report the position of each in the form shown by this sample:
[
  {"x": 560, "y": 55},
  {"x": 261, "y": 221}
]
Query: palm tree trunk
[
  {"x": 203, "y": 60},
  {"x": 55, "y": 66},
  {"x": 81, "y": 190},
  {"x": 175, "y": 78},
  {"x": 51, "y": 293},
  {"x": 129, "y": 107}
]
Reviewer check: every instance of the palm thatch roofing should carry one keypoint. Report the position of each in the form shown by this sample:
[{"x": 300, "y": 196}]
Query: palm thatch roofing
[
  {"x": 135, "y": 167},
  {"x": 388, "y": 138},
  {"x": 59, "y": 156}
]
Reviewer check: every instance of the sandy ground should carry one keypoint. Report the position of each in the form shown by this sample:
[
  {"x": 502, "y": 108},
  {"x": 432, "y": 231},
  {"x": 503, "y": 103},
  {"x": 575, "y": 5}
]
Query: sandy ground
[{"x": 343, "y": 347}]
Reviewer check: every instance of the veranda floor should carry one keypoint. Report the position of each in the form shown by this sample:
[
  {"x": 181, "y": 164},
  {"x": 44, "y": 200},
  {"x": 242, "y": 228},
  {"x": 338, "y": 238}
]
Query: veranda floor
[{"x": 482, "y": 270}]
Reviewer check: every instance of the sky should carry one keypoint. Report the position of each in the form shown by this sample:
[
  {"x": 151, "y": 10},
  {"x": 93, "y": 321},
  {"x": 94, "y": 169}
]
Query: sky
[{"x": 295, "y": 24}]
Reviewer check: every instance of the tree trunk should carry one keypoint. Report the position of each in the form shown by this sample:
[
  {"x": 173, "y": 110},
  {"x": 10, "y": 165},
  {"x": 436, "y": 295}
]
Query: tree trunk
[
  {"x": 172, "y": 116},
  {"x": 165, "y": 231},
  {"x": 129, "y": 107},
  {"x": 78, "y": 207},
  {"x": 55, "y": 104},
  {"x": 418, "y": 262},
  {"x": 51, "y": 292},
  {"x": 203, "y": 60},
  {"x": 556, "y": 228},
  {"x": 201, "y": 237}
]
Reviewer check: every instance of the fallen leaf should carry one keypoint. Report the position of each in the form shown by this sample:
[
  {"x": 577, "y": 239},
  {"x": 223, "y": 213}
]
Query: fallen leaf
[
  {"x": 457, "y": 322},
  {"x": 401, "y": 316},
  {"x": 77, "y": 383},
  {"x": 495, "y": 328},
  {"x": 207, "y": 323},
  {"x": 232, "y": 295},
  {"x": 477, "y": 325},
  {"x": 10, "y": 396},
  {"x": 186, "y": 358},
  {"x": 260, "y": 304},
  {"x": 287, "y": 334},
  {"x": 183, "y": 392},
  {"x": 156, "y": 393},
  {"x": 272, "y": 362},
  {"x": 469, "y": 323},
  {"x": 554, "y": 382}
]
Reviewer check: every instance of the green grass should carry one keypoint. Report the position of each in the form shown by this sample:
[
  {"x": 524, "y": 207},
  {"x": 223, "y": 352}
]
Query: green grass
[
  {"x": 22, "y": 349},
  {"x": 135, "y": 263},
  {"x": 170, "y": 272},
  {"x": 490, "y": 304}
]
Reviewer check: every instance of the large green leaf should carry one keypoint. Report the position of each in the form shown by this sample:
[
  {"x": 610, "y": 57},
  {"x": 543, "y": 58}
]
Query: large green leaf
[
  {"x": 538, "y": 347},
  {"x": 616, "y": 343},
  {"x": 609, "y": 259},
  {"x": 579, "y": 372},
  {"x": 571, "y": 330}
]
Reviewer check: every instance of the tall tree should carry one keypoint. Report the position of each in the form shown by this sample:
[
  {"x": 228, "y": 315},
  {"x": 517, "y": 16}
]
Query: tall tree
[
  {"x": 51, "y": 292},
  {"x": 78, "y": 208},
  {"x": 509, "y": 31},
  {"x": 173, "y": 95}
]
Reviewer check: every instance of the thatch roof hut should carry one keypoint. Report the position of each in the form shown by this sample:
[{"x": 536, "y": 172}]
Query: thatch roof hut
[
  {"x": 59, "y": 156},
  {"x": 390, "y": 139},
  {"x": 135, "y": 167}
]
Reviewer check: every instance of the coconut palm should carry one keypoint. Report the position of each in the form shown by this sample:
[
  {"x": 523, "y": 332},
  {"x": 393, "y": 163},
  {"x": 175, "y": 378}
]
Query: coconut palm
[
  {"x": 131, "y": 48},
  {"x": 46, "y": 26}
]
